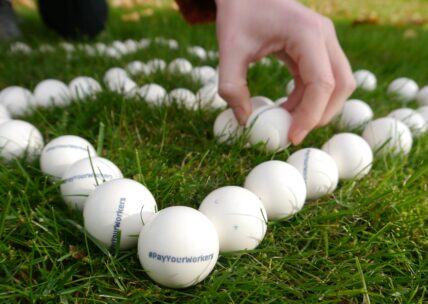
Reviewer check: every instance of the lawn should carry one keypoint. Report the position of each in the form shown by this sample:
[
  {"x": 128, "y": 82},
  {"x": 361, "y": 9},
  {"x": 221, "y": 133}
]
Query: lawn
[{"x": 366, "y": 243}]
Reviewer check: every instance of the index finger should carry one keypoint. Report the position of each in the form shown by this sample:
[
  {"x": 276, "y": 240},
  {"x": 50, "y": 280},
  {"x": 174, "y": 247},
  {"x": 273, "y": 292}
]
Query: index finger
[
  {"x": 311, "y": 56},
  {"x": 233, "y": 74}
]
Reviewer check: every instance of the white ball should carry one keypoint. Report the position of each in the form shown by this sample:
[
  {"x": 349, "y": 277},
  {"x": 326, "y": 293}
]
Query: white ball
[
  {"x": 355, "y": 114},
  {"x": 213, "y": 55},
  {"x": 412, "y": 119},
  {"x": 124, "y": 86},
  {"x": 17, "y": 100},
  {"x": 404, "y": 89},
  {"x": 157, "y": 64},
  {"x": 68, "y": 47},
  {"x": 61, "y": 152},
  {"x": 20, "y": 47},
  {"x": 118, "y": 207},
  {"x": 238, "y": 216},
  {"x": 365, "y": 80},
  {"x": 209, "y": 98},
  {"x": 89, "y": 50},
  {"x": 352, "y": 155},
  {"x": 4, "y": 114},
  {"x": 83, "y": 87},
  {"x": 131, "y": 46},
  {"x": 290, "y": 87},
  {"x": 319, "y": 170},
  {"x": 270, "y": 125},
  {"x": 388, "y": 135},
  {"x": 226, "y": 127},
  {"x": 280, "y": 187},
  {"x": 144, "y": 43},
  {"x": 180, "y": 66},
  {"x": 172, "y": 44},
  {"x": 101, "y": 48},
  {"x": 198, "y": 51},
  {"x": 138, "y": 67},
  {"x": 424, "y": 112},
  {"x": 52, "y": 92},
  {"x": 19, "y": 139},
  {"x": 260, "y": 101},
  {"x": 266, "y": 61},
  {"x": 205, "y": 74},
  {"x": 115, "y": 75},
  {"x": 46, "y": 48},
  {"x": 179, "y": 247},
  {"x": 83, "y": 176},
  {"x": 112, "y": 53},
  {"x": 120, "y": 47},
  {"x": 153, "y": 93},
  {"x": 422, "y": 96},
  {"x": 184, "y": 97}
]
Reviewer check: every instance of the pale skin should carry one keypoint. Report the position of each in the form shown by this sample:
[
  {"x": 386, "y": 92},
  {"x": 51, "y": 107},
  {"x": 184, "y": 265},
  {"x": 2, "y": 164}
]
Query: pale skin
[{"x": 248, "y": 30}]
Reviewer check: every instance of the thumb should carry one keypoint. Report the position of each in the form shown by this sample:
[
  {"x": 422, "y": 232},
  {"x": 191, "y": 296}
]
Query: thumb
[{"x": 232, "y": 79}]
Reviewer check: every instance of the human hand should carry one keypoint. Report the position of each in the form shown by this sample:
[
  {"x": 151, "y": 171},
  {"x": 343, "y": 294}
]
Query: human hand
[{"x": 248, "y": 30}]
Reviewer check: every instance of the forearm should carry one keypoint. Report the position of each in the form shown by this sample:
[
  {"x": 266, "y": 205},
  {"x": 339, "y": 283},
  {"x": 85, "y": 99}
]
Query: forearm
[{"x": 198, "y": 11}]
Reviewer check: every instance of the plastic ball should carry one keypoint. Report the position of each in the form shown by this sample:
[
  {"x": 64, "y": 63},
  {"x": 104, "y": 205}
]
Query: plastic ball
[
  {"x": 239, "y": 217},
  {"x": 352, "y": 155},
  {"x": 355, "y": 114},
  {"x": 61, "y": 152},
  {"x": 19, "y": 139},
  {"x": 226, "y": 128},
  {"x": 116, "y": 208},
  {"x": 365, "y": 80},
  {"x": 82, "y": 177},
  {"x": 153, "y": 93},
  {"x": 270, "y": 125},
  {"x": 412, "y": 119},
  {"x": 52, "y": 92},
  {"x": 422, "y": 96},
  {"x": 279, "y": 186},
  {"x": 388, "y": 135},
  {"x": 184, "y": 97},
  {"x": 17, "y": 100},
  {"x": 403, "y": 89},
  {"x": 209, "y": 98},
  {"x": 178, "y": 247},
  {"x": 83, "y": 87},
  {"x": 319, "y": 170},
  {"x": 180, "y": 66}
]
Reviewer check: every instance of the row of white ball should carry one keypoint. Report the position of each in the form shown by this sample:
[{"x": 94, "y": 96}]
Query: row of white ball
[
  {"x": 19, "y": 100},
  {"x": 269, "y": 123},
  {"x": 273, "y": 190},
  {"x": 355, "y": 114},
  {"x": 116, "y": 49},
  {"x": 403, "y": 89}
]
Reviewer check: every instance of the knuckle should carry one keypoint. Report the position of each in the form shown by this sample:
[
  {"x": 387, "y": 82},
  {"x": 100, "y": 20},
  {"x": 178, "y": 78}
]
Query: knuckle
[
  {"x": 227, "y": 92},
  {"x": 350, "y": 84},
  {"x": 326, "y": 83},
  {"x": 346, "y": 85},
  {"x": 328, "y": 23}
]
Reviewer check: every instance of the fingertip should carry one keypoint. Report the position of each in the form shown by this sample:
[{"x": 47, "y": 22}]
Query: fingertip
[
  {"x": 297, "y": 135},
  {"x": 242, "y": 113}
]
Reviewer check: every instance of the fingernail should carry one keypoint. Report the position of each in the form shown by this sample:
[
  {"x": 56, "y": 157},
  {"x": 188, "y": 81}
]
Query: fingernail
[
  {"x": 240, "y": 114},
  {"x": 299, "y": 137}
]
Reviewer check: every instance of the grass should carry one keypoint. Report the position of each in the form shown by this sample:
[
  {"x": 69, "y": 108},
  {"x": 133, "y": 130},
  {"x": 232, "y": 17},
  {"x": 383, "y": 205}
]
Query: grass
[{"x": 366, "y": 243}]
